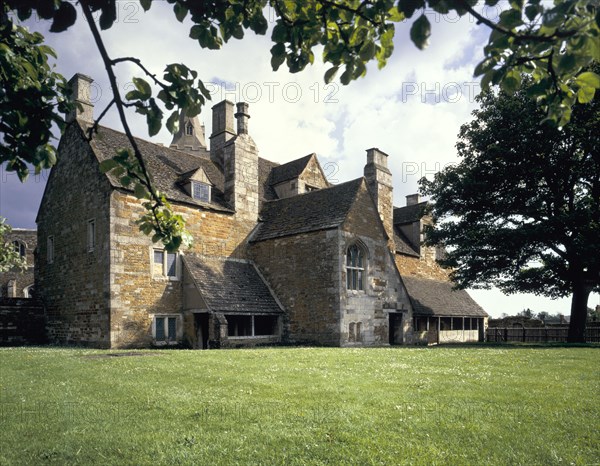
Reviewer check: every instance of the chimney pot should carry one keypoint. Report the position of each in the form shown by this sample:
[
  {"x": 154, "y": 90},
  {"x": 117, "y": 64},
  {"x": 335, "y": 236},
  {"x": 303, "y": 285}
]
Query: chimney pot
[
  {"x": 242, "y": 118},
  {"x": 79, "y": 85}
]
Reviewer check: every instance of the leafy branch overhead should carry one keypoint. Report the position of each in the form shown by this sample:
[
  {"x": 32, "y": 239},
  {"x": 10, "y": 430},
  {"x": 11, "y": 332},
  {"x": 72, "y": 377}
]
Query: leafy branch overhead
[{"x": 551, "y": 43}]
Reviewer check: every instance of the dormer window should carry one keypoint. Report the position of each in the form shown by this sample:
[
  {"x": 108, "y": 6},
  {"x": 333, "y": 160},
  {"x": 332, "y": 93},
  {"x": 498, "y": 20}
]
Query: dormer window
[
  {"x": 308, "y": 188},
  {"x": 201, "y": 191},
  {"x": 189, "y": 129}
]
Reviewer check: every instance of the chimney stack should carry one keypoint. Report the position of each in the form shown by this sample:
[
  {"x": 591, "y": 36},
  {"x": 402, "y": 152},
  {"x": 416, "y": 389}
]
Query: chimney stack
[
  {"x": 222, "y": 130},
  {"x": 379, "y": 181},
  {"x": 413, "y": 199},
  {"x": 79, "y": 85}
]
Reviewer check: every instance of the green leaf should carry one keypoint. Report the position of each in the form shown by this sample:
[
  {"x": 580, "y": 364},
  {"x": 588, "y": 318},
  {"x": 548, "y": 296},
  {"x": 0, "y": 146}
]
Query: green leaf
[
  {"x": 180, "y": 12},
  {"x": 510, "y": 19},
  {"x": 108, "y": 15},
  {"x": 277, "y": 55},
  {"x": 408, "y": 7},
  {"x": 173, "y": 122},
  {"x": 140, "y": 191},
  {"x": 146, "y": 4},
  {"x": 420, "y": 32},
  {"x": 108, "y": 165},
  {"x": 588, "y": 79},
  {"x": 330, "y": 74},
  {"x": 143, "y": 87},
  {"x": 585, "y": 94},
  {"x": 64, "y": 17}
]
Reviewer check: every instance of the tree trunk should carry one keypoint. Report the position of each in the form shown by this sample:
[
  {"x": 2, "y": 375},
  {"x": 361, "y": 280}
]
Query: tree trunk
[{"x": 581, "y": 293}]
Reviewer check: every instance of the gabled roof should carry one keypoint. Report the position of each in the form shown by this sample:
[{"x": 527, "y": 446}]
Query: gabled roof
[
  {"x": 316, "y": 210},
  {"x": 165, "y": 165},
  {"x": 438, "y": 298},
  {"x": 289, "y": 170},
  {"x": 403, "y": 245},
  {"x": 409, "y": 213},
  {"x": 265, "y": 190},
  {"x": 230, "y": 285}
]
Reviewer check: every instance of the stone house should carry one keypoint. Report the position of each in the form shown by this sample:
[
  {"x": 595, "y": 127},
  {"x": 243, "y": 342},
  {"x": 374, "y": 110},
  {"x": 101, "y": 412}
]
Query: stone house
[
  {"x": 279, "y": 254},
  {"x": 19, "y": 283}
]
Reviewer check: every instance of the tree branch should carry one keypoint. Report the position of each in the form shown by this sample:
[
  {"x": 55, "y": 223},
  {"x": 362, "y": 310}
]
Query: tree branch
[{"x": 120, "y": 107}]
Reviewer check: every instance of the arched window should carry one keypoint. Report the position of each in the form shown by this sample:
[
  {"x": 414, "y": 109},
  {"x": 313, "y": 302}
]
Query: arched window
[
  {"x": 355, "y": 268},
  {"x": 189, "y": 129}
]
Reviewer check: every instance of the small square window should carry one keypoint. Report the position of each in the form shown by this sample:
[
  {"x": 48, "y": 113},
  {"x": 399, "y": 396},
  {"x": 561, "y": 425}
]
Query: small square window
[
  {"x": 164, "y": 263},
  {"x": 165, "y": 329},
  {"x": 201, "y": 191}
]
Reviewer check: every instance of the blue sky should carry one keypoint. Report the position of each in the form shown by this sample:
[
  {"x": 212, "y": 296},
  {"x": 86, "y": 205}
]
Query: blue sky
[{"x": 412, "y": 109}]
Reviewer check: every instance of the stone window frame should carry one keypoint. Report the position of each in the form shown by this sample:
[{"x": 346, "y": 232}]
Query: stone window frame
[
  {"x": 358, "y": 270},
  {"x": 91, "y": 235},
  {"x": 355, "y": 332},
  {"x": 164, "y": 274},
  {"x": 165, "y": 324},
  {"x": 198, "y": 184},
  {"x": 20, "y": 247},
  {"x": 50, "y": 249}
]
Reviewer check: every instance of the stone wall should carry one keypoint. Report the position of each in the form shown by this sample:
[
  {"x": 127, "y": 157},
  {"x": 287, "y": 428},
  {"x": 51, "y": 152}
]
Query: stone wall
[
  {"x": 14, "y": 282},
  {"x": 303, "y": 271},
  {"x": 22, "y": 321},
  {"x": 137, "y": 294},
  {"x": 312, "y": 175},
  {"x": 75, "y": 285},
  {"x": 384, "y": 293}
]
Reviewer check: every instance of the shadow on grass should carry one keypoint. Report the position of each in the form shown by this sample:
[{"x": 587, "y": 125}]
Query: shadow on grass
[{"x": 517, "y": 345}]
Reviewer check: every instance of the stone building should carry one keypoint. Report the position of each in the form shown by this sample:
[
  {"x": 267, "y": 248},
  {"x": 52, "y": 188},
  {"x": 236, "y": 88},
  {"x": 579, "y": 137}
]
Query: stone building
[
  {"x": 279, "y": 254},
  {"x": 18, "y": 283}
]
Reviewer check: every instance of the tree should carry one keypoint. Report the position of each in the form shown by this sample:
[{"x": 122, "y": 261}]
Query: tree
[
  {"x": 10, "y": 258},
  {"x": 521, "y": 211},
  {"x": 552, "y": 43}
]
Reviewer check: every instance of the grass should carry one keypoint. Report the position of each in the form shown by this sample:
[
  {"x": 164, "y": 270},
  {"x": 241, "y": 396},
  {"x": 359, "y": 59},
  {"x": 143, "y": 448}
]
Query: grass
[{"x": 433, "y": 406}]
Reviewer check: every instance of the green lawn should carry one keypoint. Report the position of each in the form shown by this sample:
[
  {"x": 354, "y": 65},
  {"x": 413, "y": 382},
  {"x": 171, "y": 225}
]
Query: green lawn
[{"x": 445, "y": 405}]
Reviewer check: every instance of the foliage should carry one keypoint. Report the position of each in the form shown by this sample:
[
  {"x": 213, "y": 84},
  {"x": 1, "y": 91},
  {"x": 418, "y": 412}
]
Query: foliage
[
  {"x": 552, "y": 43},
  {"x": 521, "y": 211},
  {"x": 31, "y": 100},
  {"x": 10, "y": 258},
  {"x": 484, "y": 405}
]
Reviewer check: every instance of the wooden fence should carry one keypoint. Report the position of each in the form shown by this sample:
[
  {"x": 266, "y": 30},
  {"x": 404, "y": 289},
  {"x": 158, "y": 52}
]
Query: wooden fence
[{"x": 538, "y": 334}]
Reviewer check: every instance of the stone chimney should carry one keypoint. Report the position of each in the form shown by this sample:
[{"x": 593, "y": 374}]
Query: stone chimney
[
  {"x": 190, "y": 137},
  {"x": 242, "y": 118},
  {"x": 79, "y": 85},
  {"x": 240, "y": 166},
  {"x": 222, "y": 130},
  {"x": 379, "y": 181},
  {"x": 413, "y": 199}
]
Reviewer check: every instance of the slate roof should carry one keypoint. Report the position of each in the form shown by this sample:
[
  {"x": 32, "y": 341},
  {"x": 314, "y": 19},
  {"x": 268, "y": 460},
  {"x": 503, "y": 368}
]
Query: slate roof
[
  {"x": 165, "y": 165},
  {"x": 316, "y": 210},
  {"x": 265, "y": 190},
  {"x": 289, "y": 170},
  {"x": 403, "y": 245},
  {"x": 439, "y": 299},
  {"x": 409, "y": 213},
  {"x": 230, "y": 285}
]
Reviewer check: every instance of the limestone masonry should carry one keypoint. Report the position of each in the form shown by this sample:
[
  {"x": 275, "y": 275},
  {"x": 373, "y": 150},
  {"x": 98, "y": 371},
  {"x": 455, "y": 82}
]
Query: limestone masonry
[{"x": 280, "y": 255}]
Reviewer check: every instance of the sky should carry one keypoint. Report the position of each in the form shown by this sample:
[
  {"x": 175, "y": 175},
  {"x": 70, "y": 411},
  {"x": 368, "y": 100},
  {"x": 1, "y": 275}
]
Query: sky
[{"x": 412, "y": 109}]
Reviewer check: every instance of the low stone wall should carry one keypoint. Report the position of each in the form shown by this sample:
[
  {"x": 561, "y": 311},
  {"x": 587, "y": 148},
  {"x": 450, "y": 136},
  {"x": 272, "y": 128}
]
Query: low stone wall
[{"x": 22, "y": 322}]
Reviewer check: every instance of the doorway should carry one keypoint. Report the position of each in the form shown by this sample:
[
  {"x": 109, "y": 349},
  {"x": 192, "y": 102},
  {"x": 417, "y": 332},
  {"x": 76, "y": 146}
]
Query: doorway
[
  {"x": 396, "y": 331},
  {"x": 201, "y": 327}
]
